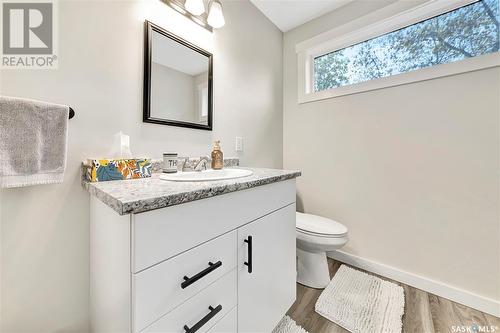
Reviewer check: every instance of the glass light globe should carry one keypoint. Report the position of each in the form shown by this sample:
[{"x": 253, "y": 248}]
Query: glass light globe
[
  {"x": 195, "y": 7},
  {"x": 215, "y": 15}
]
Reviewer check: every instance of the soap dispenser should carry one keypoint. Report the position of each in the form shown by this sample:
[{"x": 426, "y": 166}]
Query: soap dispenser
[{"x": 217, "y": 157}]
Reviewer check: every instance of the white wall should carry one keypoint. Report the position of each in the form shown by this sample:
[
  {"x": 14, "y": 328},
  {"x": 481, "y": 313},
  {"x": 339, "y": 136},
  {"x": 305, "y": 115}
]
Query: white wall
[
  {"x": 173, "y": 94},
  {"x": 412, "y": 170},
  {"x": 45, "y": 237}
]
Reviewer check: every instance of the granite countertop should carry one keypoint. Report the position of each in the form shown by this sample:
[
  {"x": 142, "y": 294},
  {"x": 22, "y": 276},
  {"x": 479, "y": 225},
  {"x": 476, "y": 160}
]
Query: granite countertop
[{"x": 142, "y": 195}]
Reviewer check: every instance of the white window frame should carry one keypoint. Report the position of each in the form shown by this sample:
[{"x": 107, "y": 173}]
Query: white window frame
[{"x": 387, "y": 19}]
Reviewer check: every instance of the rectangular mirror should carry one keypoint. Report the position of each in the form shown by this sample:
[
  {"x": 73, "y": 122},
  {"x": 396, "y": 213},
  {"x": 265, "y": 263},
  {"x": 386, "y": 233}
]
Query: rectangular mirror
[{"x": 177, "y": 81}]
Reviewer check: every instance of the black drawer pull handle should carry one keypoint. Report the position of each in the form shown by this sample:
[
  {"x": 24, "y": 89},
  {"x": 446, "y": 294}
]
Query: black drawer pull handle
[
  {"x": 211, "y": 267},
  {"x": 204, "y": 320},
  {"x": 249, "y": 262}
]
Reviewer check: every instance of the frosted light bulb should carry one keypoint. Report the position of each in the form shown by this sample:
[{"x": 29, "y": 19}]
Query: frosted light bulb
[
  {"x": 215, "y": 15},
  {"x": 195, "y": 7}
]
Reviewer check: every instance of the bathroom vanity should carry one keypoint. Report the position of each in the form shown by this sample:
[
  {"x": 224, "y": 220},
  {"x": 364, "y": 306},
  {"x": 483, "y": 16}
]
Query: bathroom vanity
[{"x": 189, "y": 257}]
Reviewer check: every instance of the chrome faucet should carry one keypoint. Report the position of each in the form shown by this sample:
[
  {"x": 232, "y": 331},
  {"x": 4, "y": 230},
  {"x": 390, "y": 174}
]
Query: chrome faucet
[
  {"x": 202, "y": 163},
  {"x": 185, "y": 165}
]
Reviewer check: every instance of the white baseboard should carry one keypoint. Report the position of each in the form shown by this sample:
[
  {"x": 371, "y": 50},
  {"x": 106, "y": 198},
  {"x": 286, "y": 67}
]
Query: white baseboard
[{"x": 469, "y": 299}]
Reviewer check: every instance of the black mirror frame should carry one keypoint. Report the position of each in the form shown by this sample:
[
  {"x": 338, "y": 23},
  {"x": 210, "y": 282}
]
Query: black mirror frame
[{"x": 149, "y": 28}]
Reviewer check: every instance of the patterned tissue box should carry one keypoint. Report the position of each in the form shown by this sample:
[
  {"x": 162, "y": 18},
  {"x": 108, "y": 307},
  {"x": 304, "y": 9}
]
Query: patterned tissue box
[{"x": 119, "y": 169}]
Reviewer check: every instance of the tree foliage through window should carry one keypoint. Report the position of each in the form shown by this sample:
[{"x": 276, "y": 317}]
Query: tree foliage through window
[{"x": 466, "y": 32}]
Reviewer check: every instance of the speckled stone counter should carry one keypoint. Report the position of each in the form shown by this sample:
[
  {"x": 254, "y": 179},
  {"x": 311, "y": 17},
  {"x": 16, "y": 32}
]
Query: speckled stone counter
[{"x": 141, "y": 195}]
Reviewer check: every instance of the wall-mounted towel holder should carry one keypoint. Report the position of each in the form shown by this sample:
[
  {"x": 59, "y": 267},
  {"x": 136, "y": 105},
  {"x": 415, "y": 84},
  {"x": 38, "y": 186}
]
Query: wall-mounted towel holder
[{"x": 71, "y": 113}]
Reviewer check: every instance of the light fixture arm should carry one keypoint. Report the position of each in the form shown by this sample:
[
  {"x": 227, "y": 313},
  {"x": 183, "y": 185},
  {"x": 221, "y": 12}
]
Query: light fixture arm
[{"x": 178, "y": 6}]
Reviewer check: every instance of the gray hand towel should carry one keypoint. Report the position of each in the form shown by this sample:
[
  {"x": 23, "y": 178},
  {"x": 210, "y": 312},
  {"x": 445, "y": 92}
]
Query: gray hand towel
[{"x": 33, "y": 139}]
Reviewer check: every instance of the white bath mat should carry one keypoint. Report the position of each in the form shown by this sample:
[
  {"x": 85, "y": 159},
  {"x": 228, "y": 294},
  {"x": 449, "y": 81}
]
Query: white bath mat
[
  {"x": 288, "y": 325},
  {"x": 362, "y": 303}
]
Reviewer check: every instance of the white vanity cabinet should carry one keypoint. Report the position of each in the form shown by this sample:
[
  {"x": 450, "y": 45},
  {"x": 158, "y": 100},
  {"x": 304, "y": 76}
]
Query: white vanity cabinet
[
  {"x": 266, "y": 286},
  {"x": 220, "y": 264}
]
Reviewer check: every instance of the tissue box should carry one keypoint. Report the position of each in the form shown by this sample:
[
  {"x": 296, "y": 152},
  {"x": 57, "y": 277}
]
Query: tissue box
[{"x": 118, "y": 169}]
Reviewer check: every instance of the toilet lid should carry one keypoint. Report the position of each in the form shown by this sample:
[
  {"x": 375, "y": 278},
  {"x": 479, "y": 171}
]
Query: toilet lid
[{"x": 315, "y": 224}]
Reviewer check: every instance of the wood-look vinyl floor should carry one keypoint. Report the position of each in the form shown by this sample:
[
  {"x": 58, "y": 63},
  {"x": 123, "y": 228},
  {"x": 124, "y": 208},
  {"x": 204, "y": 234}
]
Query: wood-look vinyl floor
[{"x": 424, "y": 312}]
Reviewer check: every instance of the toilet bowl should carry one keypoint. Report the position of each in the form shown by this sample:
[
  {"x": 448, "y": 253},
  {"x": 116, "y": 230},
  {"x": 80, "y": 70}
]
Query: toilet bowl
[{"x": 316, "y": 235}]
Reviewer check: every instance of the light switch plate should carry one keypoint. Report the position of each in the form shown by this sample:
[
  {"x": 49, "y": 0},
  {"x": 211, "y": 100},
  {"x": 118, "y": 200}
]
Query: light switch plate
[{"x": 239, "y": 144}]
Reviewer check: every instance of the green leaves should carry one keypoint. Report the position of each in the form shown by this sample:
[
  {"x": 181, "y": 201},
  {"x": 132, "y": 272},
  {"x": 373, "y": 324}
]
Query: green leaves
[
  {"x": 466, "y": 32},
  {"x": 330, "y": 71}
]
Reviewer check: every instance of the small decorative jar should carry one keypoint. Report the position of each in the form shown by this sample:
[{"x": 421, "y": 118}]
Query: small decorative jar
[{"x": 170, "y": 162}]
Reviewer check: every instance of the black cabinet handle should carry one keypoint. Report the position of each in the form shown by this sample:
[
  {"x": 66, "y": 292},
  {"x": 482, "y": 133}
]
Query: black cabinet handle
[
  {"x": 204, "y": 320},
  {"x": 211, "y": 267},
  {"x": 249, "y": 262}
]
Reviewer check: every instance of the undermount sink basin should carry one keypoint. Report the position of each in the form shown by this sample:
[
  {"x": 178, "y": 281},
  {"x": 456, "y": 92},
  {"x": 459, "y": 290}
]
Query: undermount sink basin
[{"x": 206, "y": 175}]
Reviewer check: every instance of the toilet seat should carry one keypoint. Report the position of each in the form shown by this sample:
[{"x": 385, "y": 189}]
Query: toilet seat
[
  {"x": 319, "y": 226},
  {"x": 304, "y": 232}
]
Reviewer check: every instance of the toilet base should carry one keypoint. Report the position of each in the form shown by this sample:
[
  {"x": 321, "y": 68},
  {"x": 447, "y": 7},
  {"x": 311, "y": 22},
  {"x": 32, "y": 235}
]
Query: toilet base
[{"x": 312, "y": 269}]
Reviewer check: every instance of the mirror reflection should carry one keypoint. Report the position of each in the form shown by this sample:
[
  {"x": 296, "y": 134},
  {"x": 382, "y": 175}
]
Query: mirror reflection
[{"x": 179, "y": 82}]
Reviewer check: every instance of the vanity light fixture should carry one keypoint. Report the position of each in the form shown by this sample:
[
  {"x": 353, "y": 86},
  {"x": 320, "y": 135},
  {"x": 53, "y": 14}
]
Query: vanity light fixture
[
  {"x": 215, "y": 15},
  {"x": 195, "y": 7},
  {"x": 195, "y": 10}
]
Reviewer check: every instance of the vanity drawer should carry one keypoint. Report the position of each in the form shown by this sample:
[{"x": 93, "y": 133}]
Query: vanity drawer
[
  {"x": 159, "y": 289},
  {"x": 228, "y": 324},
  {"x": 160, "y": 234},
  {"x": 221, "y": 296}
]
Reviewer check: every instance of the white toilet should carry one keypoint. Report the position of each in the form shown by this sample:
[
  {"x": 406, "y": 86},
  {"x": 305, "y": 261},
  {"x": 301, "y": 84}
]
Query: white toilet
[{"x": 316, "y": 235}]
